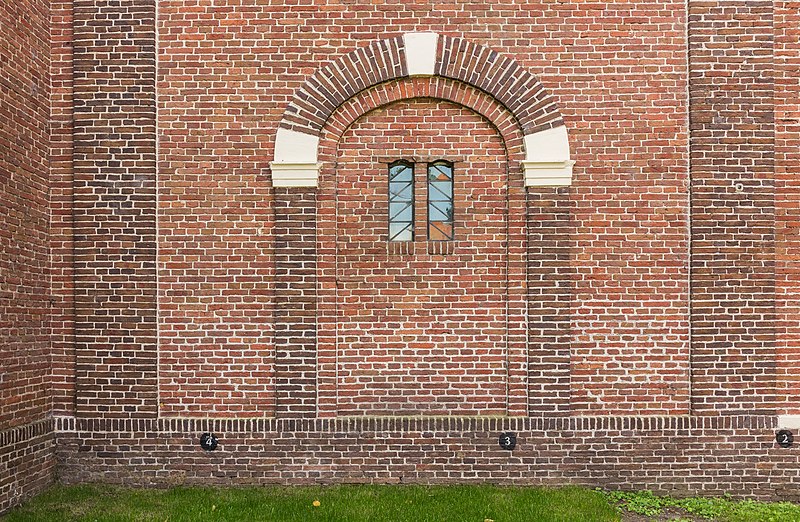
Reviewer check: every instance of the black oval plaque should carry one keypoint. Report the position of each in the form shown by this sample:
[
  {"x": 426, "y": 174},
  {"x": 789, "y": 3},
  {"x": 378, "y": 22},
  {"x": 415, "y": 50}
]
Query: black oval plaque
[
  {"x": 508, "y": 441},
  {"x": 208, "y": 441},
  {"x": 784, "y": 438}
]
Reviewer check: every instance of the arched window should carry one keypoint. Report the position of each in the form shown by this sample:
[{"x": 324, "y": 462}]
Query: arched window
[
  {"x": 401, "y": 201},
  {"x": 440, "y": 201}
]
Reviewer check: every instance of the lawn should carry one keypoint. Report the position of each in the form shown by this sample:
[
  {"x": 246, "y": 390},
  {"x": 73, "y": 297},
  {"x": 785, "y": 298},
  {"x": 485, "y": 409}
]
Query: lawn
[
  {"x": 335, "y": 503},
  {"x": 381, "y": 503}
]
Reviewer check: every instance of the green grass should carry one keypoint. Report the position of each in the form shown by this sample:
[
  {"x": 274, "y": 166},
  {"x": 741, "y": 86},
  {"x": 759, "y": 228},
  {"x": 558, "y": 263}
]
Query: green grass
[
  {"x": 337, "y": 503},
  {"x": 103, "y": 503},
  {"x": 719, "y": 509}
]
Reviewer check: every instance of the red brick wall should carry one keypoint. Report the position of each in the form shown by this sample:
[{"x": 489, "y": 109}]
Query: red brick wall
[
  {"x": 622, "y": 91},
  {"x": 26, "y": 440},
  {"x": 662, "y": 282},
  {"x": 27, "y": 461},
  {"x": 618, "y": 73},
  {"x": 216, "y": 274},
  {"x": 550, "y": 276},
  {"x": 24, "y": 267},
  {"x": 115, "y": 208},
  {"x": 296, "y": 371},
  {"x": 217, "y": 106},
  {"x": 61, "y": 207},
  {"x": 331, "y": 278}
]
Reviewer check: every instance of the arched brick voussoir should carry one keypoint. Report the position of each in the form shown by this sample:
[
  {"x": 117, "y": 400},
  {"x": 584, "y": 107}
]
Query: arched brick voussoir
[
  {"x": 423, "y": 88},
  {"x": 342, "y": 79},
  {"x": 501, "y": 77},
  {"x": 547, "y": 157}
]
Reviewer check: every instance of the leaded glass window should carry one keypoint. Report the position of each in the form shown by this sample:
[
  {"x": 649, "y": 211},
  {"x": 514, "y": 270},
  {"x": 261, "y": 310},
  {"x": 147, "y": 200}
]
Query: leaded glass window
[
  {"x": 440, "y": 201},
  {"x": 401, "y": 201}
]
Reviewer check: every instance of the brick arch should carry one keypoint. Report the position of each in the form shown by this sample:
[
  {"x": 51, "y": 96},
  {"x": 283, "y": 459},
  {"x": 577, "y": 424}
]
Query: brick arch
[
  {"x": 429, "y": 87},
  {"x": 547, "y": 158}
]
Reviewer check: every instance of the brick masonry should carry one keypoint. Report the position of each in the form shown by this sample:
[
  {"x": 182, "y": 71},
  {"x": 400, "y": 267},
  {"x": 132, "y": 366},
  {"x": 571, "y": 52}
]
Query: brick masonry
[
  {"x": 786, "y": 18},
  {"x": 351, "y": 254},
  {"x": 61, "y": 207},
  {"x": 638, "y": 328},
  {"x": 732, "y": 90},
  {"x": 670, "y": 455},
  {"x": 26, "y": 449},
  {"x": 27, "y": 461},
  {"x": 419, "y": 333},
  {"x": 114, "y": 208}
]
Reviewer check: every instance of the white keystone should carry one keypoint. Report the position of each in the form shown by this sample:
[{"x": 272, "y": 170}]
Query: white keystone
[{"x": 420, "y": 53}]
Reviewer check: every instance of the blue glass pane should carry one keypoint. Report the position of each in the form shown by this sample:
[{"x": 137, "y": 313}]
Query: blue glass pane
[
  {"x": 400, "y": 232},
  {"x": 400, "y": 192},
  {"x": 401, "y": 212},
  {"x": 441, "y": 211},
  {"x": 401, "y": 173},
  {"x": 440, "y": 172},
  {"x": 440, "y": 190}
]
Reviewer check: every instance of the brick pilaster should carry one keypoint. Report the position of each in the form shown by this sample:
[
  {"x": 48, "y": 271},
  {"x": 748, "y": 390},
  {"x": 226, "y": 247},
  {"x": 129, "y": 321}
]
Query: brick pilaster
[
  {"x": 733, "y": 209},
  {"x": 549, "y": 294},
  {"x": 295, "y": 302},
  {"x": 787, "y": 201},
  {"x": 61, "y": 207},
  {"x": 115, "y": 207}
]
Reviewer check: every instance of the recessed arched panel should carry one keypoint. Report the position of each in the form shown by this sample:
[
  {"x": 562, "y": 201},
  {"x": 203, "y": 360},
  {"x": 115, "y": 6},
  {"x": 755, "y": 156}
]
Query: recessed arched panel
[{"x": 547, "y": 158}]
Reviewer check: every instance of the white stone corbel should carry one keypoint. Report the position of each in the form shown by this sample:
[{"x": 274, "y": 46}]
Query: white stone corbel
[
  {"x": 295, "y": 161},
  {"x": 547, "y": 159}
]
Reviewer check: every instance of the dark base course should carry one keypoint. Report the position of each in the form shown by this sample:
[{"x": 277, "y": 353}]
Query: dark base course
[
  {"x": 27, "y": 461},
  {"x": 678, "y": 456}
]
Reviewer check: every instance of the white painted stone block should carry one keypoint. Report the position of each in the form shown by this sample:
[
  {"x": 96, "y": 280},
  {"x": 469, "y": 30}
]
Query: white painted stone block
[
  {"x": 547, "y": 146},
  {"x": 295, "y": 174},
  {"x": 295, "y": 147},
  {"x": 420, "y": 53},
  {"x": 555, "y": 174},
  {"x": 789, "y": 422},
  {"x": 547, "y": 159},
  {"x": 295, "y": 162}
]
